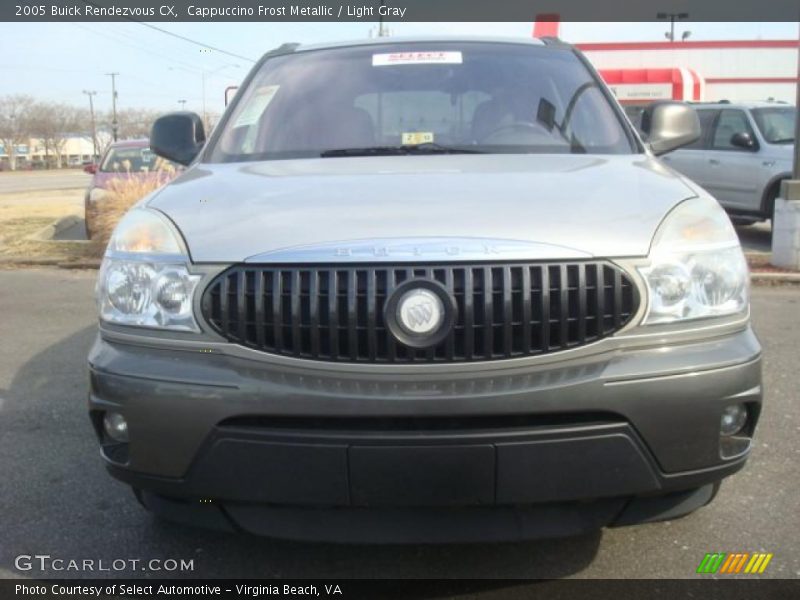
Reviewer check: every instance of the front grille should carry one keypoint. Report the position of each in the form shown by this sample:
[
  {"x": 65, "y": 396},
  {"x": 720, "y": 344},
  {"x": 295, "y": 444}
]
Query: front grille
[{"x": 335, "y": 312}]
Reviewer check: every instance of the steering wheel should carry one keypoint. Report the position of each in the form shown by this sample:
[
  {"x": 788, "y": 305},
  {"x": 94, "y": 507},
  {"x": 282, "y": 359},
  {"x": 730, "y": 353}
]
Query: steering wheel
[{"x": 515, "y": 127}]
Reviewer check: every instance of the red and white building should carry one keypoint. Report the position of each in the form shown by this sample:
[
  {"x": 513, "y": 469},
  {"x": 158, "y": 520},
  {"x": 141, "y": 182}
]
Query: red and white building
[
  {"x": 709, "y": 71},
  {"x": 735, "y": 70}
]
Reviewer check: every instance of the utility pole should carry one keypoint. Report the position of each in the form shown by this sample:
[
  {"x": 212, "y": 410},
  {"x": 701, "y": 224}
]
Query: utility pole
[
  {"x": 114, "y": 122},
  {"x": 205, "y": 113},
  {"x": 95, "y": 154},
  {"x": 672, "y": 18},
  {"x": 380, "y": 21},
  {"x": 183, "y": 104}
]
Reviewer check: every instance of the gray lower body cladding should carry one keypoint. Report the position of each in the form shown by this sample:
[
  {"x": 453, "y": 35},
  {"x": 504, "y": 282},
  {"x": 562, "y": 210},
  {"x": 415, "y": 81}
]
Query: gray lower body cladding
[{"x": 616, "y": 438}]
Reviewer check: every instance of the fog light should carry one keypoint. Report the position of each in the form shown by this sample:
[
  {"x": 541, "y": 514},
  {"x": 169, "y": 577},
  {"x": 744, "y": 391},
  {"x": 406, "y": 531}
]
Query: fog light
[
  {"x": 116, "y": 427},
  {"x": 733, "y": 419}
]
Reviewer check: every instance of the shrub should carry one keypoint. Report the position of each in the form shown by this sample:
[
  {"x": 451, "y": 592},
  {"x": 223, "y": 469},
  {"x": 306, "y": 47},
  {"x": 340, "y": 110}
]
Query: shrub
[{"x": 123, "y": 192}]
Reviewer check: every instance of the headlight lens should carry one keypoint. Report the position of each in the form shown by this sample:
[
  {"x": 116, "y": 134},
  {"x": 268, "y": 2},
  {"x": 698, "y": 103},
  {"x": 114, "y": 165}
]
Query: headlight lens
[
  {"x": 697, "y": 266},
  {"x": 145, "y": 278}
]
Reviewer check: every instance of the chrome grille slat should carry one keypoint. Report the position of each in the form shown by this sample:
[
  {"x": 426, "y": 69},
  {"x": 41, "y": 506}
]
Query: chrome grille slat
[{"x": 335, "y": 312}]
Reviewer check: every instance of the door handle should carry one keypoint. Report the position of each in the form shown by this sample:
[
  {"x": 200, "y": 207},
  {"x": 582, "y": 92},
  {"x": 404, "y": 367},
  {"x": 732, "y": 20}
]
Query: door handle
[{"x": 713, "y": 161}]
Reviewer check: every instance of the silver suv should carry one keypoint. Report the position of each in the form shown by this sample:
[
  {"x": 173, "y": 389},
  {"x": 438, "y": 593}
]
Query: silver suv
[
  {"x": 424, "y": 290},
  {"x": 742, "y": 155}
]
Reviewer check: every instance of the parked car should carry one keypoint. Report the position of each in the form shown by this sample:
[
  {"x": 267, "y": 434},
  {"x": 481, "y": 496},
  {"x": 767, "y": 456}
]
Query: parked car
[
  {"x": 424, "y": 290},
  {"x": 744, "y": 153},
  {"x": 125, "y": 161}
]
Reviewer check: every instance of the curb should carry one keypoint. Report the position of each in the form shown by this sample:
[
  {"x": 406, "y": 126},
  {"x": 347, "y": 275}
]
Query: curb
[
  {"x": 51, "y": 262},
  {"x": 775, "y": 277},
  {"x": 48, "y": 233}
]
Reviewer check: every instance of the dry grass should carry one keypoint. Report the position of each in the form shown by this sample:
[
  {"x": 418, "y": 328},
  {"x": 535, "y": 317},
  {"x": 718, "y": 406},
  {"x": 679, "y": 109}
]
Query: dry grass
[{"x": 24, "y": 214}]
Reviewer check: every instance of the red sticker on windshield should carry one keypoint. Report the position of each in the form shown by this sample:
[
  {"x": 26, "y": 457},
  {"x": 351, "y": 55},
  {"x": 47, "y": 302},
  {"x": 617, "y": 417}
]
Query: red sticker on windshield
[{"x": 416, "y": 58}]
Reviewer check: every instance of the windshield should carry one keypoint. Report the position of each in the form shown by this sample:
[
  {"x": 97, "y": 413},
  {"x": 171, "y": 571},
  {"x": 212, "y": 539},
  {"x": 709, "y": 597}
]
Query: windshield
[
  {"x": 776, "y": 124},
  {"x": 421, "y": 97},
  {"x": 133, "y": 160}
]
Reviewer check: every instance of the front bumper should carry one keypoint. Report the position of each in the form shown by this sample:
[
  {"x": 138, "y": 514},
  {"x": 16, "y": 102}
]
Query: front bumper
[{"x": 615, "y": 438}]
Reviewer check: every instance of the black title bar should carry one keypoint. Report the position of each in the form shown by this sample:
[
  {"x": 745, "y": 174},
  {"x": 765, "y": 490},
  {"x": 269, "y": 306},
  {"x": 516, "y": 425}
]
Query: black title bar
[
  {"x": 398, "y": 10},
  {"x": 388, "y": 589}
]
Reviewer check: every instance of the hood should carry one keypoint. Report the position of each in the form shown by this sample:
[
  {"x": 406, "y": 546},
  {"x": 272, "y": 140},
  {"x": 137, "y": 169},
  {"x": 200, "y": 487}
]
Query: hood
[{"x": 417, "y": 207}]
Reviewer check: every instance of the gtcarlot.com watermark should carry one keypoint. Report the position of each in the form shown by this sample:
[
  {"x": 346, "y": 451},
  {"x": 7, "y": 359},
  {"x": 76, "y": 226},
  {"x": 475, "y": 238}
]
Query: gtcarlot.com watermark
[{"x": 46, "y": 563}]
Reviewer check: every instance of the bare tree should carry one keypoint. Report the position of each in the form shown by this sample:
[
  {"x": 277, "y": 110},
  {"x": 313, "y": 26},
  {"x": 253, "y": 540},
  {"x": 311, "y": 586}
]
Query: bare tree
[
  {"x": 134, "y": 123},
  {"x": 53, "y": 123},
  {"x": 15, "y": 113}
]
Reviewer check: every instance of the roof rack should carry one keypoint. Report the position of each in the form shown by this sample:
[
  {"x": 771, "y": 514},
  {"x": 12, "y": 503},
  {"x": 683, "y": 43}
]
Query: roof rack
[{"x": 555, "y": 41}]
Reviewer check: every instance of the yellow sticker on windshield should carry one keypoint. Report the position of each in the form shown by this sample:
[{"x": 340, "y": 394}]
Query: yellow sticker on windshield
[{"x": 413, "y": 138}]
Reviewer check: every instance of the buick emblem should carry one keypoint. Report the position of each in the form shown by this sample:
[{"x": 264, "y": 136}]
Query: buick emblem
[{"x": 420, "y": 312}]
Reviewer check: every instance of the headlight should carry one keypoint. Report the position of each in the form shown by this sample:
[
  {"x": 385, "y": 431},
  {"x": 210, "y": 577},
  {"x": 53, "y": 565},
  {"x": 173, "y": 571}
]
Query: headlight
[
  {"x": 697, "y": 266},
  {"x": 145, "y": 278}
]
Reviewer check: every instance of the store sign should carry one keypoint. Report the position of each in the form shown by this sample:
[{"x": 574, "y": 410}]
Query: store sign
[{"x": 642, "y": 91}]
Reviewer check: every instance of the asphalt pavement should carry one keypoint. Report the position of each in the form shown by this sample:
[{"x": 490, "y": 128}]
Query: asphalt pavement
[
  {"x": 56, "y": 499},
  {"x": 32, "y": 181}
]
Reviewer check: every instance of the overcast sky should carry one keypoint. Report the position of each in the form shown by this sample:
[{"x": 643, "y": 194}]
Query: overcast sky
[{"x": 56, "y": 61}]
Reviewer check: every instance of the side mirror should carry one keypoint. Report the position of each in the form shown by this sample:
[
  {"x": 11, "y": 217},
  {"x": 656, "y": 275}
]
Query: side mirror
[
  {"x": 90, "y": 169},
  {"x": 743, "y": 140},
  {"x": 178, "y": 137},
  {"x": 669, "y": 125}
]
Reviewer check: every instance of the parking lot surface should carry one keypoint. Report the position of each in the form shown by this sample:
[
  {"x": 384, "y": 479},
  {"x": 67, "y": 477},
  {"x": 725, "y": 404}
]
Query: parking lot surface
[
  {"x": 56, "y": 499},
  {"x": 31, "y": 181}
]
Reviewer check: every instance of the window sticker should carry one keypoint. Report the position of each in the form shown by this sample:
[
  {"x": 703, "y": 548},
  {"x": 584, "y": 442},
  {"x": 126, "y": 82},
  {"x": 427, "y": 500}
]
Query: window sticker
[
  {"x": 416, "y": 58},
  {"x": 256, "y": 106},
  {"x": 413, "y": 138}
]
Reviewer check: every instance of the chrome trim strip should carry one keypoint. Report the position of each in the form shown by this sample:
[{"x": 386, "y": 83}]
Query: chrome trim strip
[
  {"x": 382, "y": 250},
  {"x": 608, "y": 346}
]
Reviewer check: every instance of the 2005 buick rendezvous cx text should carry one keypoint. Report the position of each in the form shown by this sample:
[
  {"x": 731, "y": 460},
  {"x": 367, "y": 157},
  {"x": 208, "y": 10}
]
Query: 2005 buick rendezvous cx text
[{"x": 424, "y": 290}]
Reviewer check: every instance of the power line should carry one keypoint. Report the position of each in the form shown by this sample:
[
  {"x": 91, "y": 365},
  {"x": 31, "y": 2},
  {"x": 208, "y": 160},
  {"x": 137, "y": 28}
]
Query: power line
[
  {"x": 180, "y": 37},
  {"x": 140, "y": 48},
  {"x": 196, "y": 43}
]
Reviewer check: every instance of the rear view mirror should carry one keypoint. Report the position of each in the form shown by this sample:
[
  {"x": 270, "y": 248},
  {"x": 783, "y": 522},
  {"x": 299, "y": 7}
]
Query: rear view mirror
[
  {"x": 669, "y": 125},
  {"x": 178, "y": 136}
]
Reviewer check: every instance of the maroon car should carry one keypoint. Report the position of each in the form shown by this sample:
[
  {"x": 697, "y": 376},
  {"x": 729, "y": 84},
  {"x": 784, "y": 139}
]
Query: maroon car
[{"x": 127, "y": 167}]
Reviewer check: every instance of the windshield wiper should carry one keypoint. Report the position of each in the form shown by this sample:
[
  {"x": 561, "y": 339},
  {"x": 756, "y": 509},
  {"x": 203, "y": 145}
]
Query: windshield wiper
[{"x": 426, "y": 148}]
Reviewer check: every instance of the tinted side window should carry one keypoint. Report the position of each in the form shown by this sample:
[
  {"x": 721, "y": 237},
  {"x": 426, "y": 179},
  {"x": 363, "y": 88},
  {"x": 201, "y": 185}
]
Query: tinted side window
[
  {"x": 730, "y": 122},
  {"x": 706, "y": 118}
]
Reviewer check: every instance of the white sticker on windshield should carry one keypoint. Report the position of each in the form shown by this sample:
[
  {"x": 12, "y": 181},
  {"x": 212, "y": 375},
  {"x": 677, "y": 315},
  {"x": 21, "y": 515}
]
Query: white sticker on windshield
[
  {"x": 256, "y": 105},
  {"x": 416, "y": 58}
]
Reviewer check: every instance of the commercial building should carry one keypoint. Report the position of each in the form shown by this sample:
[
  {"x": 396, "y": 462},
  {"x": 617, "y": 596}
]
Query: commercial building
[
  {"x": 710, "y": 71},
  {"x": 701, "y": 71},
  {"x": 75, "y": 151}
]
